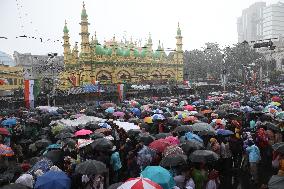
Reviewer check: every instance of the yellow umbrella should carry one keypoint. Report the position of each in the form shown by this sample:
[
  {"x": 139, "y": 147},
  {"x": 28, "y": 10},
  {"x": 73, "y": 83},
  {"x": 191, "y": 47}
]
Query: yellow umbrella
[
  {"x": 276, "y": 103},
  {"x": 148, "y": 120}
]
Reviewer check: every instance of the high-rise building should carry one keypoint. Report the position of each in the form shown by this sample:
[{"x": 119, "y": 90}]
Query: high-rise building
[
  {"x": 249, "y": 25},
  {"x": 273, "y": 21}
]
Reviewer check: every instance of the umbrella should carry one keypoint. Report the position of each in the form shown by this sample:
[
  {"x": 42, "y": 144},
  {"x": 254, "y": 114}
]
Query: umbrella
[
  {"x": 83, "y": 132},
  {"x": 9, "y": 122},
  {"x": 102, "y": 130},
  {"x": 136, "y": 112},
  {"x": 203, "y": 156},
  {"x": 102, "y": 144},
  {"x": 96, "y": 135},
  {"x": 132, "y": 133},
  {"x": 148, "y": 120},
  {"x": 54, "y": 146},
  {"x": 276, "y": 103},
  {"x": 191, "y": 136},
  {"x": 115, "y": 185},
  {"x": 279, "y": 147},
  {"x": 173, "y": 160},
  {"x": 201, "y": 126},
  {"x": 54, "y": 180},
  {"x": 159, "y": 175},
  {"x": 44, "y": 165},
  {"x": 6, "y": 151},
  {"x": 84, "y": 142},
  {"x": 162, "y": 135},
  {"x": 191, "y": 145},
  {"x": 272, "y": 126},
  {"x": 145, "y": 138},
  {"x": 145, "y": 156},
  {"x": 276, "y": 99},
  {"x": 189, "y": 108},
  {"x": 90, "y": 167},
  {"x": 172, "y": 150},
  {"x": 43, "y": 143},
  {"x": 159, "y": 145},
  {"x": 108, "y": 105},
  {"x": 139, "y": 183},
  {"x": 276, "y": 182},
  {"x": 26, "y": 180},
  {"x": 119, "y": 114},
  {"x": 158, "y": 111},
  {"x": 15, "y": 186},
  {"x": 183, "y": 128},
  {"x": 56, "y": 156},
  {"x": 172, "y": 140},
  {"x": 64, "y": 135},
  {"x": 4, "y": 131},
  {"x": 224, "y": 132},
  {"x": 158, "y": 117},
  {"x": 190, "y": 119},
  {"x": 110, "y": 110}
]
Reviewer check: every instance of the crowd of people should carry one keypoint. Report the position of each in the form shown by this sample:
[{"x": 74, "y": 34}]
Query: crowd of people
[{"x": 228, "y": 140}]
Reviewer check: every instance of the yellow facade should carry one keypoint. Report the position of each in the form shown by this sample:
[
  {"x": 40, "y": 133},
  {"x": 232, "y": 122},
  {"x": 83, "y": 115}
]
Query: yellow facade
[
  {"x": 118, "y": 62},
  {"x": 13, "y": 75}
]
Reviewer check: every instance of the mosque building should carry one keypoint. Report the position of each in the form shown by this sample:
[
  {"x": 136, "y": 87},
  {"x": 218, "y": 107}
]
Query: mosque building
[{"x": 117, "y": 62}]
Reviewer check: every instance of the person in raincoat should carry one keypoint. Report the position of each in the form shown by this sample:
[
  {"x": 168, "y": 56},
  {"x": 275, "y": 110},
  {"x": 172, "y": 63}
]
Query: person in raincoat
[
  {"x": 254, "y": 158},
  {"x": 116, "y": 164}
]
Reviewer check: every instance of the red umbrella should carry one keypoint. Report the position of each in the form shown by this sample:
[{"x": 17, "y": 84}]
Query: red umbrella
[
  {"x": 139, "y": 183},
  {"x": 4, "y": 131},
  {"x": 159, "y": 145},
  {"x": 83, "y": 132},
  {"x": 276, "y": 99},
  {"x": 190, "y": 119},
  {"x": 189, "y": 108}
]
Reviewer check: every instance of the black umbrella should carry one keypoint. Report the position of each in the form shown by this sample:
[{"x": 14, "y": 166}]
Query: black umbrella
[
  {"x": 95, "y": 136},
  {"x": 203, "y": 156},
  {"x": 64, "y": 135},
  {"x": 90, "y": 167},
  {"x": 162, "y": 135},
  {"x": 115, "y": 185},
  {"x": 279, "y": 147},
  {"x": 272, "y": 126},
  {"x": 68, "y": 130},
  {"x": 15, "y": 186},
  {"x": 132, "y": 133},
  {"x": 191, "y": 145},
  {"x": 173, "y": 160},
  {"x": 42, "y": 143},
  {"x": 202, "y": 126},
  {"x": 183, "y": 129},
  {"x": 145, "y": 138},
  {"x": 276, "y": 182},
  {"x": 71, "y": 143},
  {"x": 206, "y": 133},
  {"x": 92, "y": 126},
  {"x": 102, "y": 144},
  {"x": 56, "y": 156}
]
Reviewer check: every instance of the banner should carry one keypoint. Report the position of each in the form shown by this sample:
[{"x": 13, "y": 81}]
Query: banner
[
  {"x": 120, "y": 90},
  {"x": 31, "y": 90}
]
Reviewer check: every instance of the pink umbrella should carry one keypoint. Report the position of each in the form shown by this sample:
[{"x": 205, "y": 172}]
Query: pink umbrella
[
  {"x": 172, "y": 140},
  {"x": 83, "y": 132},
  {"x": 189, "y": 108},
  {"x": 119, "y": 114}
]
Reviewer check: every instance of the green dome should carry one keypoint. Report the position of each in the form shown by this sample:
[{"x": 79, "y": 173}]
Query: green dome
[
  {"x": 108, "y": 51},
  {"x": 120, "y": 52},
  {"x": 65, "y": 29},
  {"x": 99, "y": 50},
  {"x": 126, "y": 52},
  {"x": 157, "y": 54},
  {"x": 136, "y": 53},
  {"x": 143, "y": 53}
]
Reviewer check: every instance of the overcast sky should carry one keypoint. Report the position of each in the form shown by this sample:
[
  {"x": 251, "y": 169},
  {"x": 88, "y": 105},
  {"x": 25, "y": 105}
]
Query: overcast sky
[{"x": 201, "y": 21}]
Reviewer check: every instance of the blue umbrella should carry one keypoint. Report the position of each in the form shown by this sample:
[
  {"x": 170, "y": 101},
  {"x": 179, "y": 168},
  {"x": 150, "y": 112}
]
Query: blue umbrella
[
  {"x": 136, "y": 111},
  {"x": 158, "y": 117},
  {"x": 160, "y": 176},
  {"x": 54, "y": 146},
  {"x": 224, "y": 132},
  {"x": 158, "y": 111},
  {"x": 53, "y": 180},
  {"x": 191, "y": 136},
  {"x": 110, "y": 110},
  {"x": 44, "y": 165},
  {"x": 9, "y": 121}
]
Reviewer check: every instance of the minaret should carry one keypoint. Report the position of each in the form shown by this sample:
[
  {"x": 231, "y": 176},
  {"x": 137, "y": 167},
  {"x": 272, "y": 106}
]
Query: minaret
[
  {"x": 114, "y": 46},
  {"x": 66, "y": 44},
  {"x": 85, "y": 44},
  {"x": 75, "y": 53},
  {"x": 150, "y": 43},
  {"x": 131, "y": 45},
  {"x": 179, "y": 51}
]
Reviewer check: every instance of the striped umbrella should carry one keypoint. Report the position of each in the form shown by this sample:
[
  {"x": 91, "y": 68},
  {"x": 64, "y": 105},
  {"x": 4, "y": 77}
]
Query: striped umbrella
[
  {"x": 6, "y": 150},
  {"x": 139, "y": 183}
]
